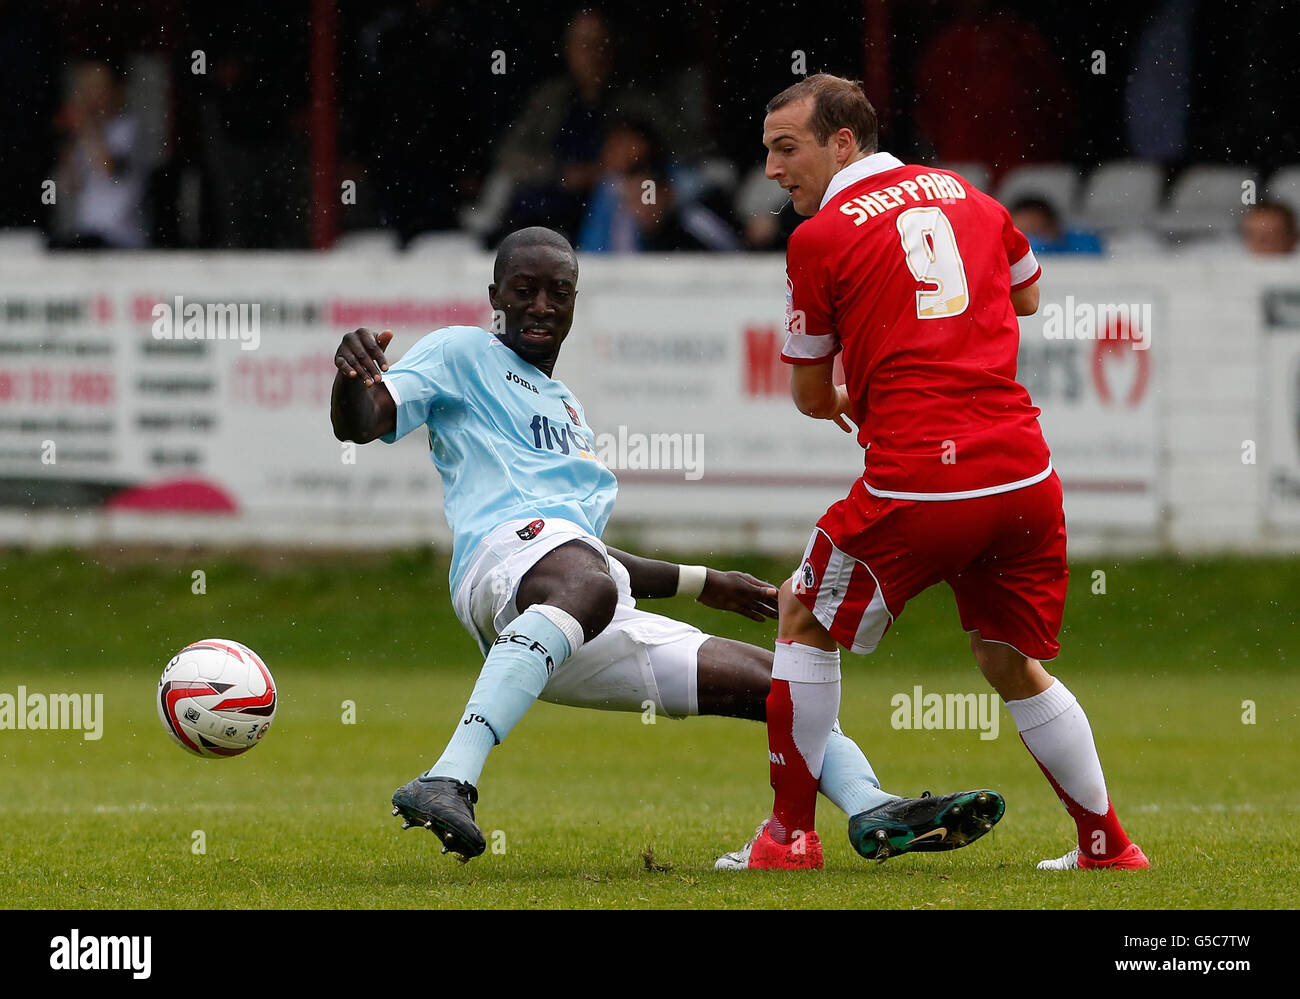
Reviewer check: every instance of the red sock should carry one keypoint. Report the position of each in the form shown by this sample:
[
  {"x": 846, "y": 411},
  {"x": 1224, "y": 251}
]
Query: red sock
[
  {"x": 794, "y": 807},
  {"x": 1101, "y": 837}
]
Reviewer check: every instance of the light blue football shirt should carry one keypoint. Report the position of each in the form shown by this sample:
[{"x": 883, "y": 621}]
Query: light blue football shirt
[{"x": 508, "y": 441}]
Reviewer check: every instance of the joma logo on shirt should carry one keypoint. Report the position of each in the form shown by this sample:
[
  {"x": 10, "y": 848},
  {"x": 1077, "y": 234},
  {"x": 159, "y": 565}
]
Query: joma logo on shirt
[
  {"x": 512, "y": 377},
  {"x": 558, "y": 437}
]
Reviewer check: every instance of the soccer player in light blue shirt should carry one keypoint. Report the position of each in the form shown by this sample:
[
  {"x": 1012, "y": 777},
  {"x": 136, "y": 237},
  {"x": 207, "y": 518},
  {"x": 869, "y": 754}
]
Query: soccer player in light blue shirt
[
  {"x": 507, "y": 440},
  {"x": 514, "y": 449}
]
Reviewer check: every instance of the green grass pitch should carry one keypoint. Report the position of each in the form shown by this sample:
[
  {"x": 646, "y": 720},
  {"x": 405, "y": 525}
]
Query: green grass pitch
[{"x": 592, "y": 809}]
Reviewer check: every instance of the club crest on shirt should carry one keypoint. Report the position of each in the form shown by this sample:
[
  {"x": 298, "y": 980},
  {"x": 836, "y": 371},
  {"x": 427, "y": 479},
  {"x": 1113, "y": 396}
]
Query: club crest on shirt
[
  {"x": 530, "y": 531},
  {"x": 573, "y": 414}
]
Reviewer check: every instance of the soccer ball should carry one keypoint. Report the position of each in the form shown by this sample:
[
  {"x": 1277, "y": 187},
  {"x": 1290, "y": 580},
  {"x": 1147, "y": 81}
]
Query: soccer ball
[{"x": 216, "y": 698}]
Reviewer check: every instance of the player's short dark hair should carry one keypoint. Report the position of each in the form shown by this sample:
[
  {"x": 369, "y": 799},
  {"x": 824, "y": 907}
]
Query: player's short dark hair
[
  {"x": 837, "y": 103},
  {"x": 532, "y": 236}
]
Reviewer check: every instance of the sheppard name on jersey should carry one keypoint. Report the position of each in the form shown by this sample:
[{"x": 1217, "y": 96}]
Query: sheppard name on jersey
[
  {"x": 926, "y": 187},
  {"x": 53, "y": 711}
]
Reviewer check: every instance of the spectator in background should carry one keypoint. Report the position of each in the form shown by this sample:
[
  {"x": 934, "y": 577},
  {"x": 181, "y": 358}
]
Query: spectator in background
[
  {"x": 1269, "y": 229},
  {"x": 553, "y": 150},
  {"x": 252, "y": 116},
  {"x": 100, "y": 180},
  {"x": 1038, "y": 220},
  {"x": 990, "y": 89},
  {"x": 417, "y": 99},
  {"x": 634, "y": 206}
]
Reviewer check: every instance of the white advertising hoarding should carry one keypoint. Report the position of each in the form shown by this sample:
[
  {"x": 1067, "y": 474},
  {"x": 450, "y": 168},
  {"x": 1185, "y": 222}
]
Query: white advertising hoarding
[{"x": 95, "y": 361}]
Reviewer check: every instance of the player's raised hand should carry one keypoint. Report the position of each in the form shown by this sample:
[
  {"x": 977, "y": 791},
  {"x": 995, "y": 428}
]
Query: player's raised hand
[
  {"x": 739, "y": 592},
  {"x": 361, "y": 355}
]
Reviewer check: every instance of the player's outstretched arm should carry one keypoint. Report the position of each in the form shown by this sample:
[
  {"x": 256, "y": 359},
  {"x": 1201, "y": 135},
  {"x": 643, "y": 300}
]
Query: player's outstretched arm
[
  {"x": 733, "y": 591},
  {"x": 361, "y": 407}
]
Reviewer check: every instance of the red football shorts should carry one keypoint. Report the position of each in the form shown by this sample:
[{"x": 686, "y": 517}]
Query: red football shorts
[{"x": 1003, "y": 556}]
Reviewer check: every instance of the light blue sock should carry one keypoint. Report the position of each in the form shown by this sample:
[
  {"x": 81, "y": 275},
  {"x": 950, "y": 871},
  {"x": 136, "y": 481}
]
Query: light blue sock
[
  {"x": 847, "y": 778},
  {"x": 517, "y": 667}
]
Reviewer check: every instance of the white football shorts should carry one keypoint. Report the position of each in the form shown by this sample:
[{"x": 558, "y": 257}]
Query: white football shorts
[{"x": 639, "y": 657}]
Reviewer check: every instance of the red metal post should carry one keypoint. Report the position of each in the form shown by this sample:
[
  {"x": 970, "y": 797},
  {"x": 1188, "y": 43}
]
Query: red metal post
[{"x": 324, "y": 126}]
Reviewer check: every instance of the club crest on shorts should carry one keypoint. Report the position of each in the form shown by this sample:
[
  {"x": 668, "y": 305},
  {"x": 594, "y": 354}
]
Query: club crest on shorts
[
  {"x": 530, "y": 531},
  {"x": 805, "y": 580}
]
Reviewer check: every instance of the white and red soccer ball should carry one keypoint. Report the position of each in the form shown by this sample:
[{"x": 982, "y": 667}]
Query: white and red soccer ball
[{"x": 216, "y": 698}]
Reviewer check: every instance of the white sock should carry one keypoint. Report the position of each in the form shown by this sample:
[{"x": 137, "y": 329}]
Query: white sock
[
  {"x": 814, "y": 679},
  {"x": 1056, "y": 731}
]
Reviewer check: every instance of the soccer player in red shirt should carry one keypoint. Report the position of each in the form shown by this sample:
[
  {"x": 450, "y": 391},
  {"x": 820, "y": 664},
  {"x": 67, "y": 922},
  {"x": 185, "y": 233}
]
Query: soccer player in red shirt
[{"x": 918, "y": 278}]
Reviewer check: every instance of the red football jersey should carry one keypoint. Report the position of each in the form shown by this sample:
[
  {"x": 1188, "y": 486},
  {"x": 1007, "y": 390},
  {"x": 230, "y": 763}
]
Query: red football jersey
[{"x": 909, "y": 271}]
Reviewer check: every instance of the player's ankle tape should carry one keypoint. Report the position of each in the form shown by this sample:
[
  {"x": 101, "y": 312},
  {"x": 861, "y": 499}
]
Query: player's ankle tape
[{"x": 563, "y": 620}]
